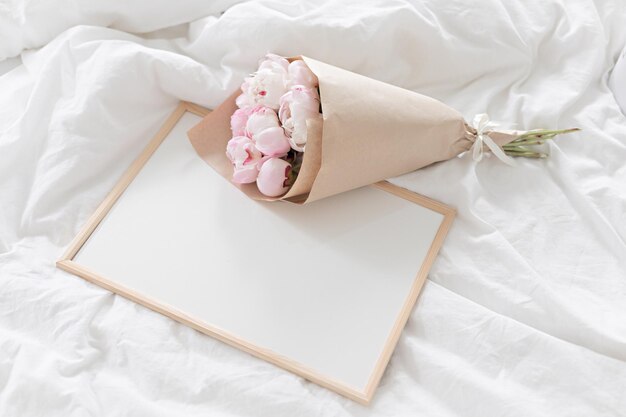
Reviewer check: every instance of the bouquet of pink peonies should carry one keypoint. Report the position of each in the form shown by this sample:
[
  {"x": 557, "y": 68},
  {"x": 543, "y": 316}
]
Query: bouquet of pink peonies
[
  {"x": 301, "y": 130},
  {"x": 269, "y": 127}
]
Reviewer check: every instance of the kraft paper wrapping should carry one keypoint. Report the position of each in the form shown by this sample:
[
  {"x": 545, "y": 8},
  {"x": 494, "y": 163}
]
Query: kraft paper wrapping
[{"x": 370, "y": 131}]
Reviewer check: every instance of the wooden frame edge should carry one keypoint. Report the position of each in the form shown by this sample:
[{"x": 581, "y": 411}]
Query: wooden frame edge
[
  {"x": 123, "y": 183},
  {"x": 448, "y": 217},
  {"x": 221, "y": 335},
  {"x": 129, "y": 175},
  {"x": 195, "y": 109},
  {"x": 364, "y": 397}
]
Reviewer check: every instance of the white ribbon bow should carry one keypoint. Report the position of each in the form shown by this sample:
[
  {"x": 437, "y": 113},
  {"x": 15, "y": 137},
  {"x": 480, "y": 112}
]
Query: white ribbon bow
[{"x": 482, "y": 123}]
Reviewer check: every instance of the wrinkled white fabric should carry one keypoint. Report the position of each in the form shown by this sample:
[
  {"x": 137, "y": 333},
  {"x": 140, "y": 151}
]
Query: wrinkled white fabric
[
  {"x": 26, "y": 24},
  {"x": 617, "y": 82},
  {"x": 524, "y": 313}
]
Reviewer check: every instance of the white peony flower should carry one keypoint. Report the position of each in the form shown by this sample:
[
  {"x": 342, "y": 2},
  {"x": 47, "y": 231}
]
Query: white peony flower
[
  {"x": 266, "y": 86},
  {"x": 297, "y": 106}
]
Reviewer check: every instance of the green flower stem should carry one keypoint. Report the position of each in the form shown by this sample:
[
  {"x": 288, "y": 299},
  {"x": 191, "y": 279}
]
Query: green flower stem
[
  {"x": 525, "y": 152},
  {"x": 296, "y": 164},
  {"x": 525, "y": 143},
  {"x": 518, "y": 146},
  {"x": 542, "y": 133}
]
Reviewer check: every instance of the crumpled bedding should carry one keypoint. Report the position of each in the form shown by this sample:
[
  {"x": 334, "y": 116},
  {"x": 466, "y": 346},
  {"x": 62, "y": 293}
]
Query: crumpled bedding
[
  {"x": 524, "y": 312},
  {"x": 617, "y": 81}
]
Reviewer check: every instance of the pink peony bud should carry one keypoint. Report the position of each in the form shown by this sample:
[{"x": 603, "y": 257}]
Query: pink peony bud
[
  {"x": 245, "y": 158},
  {"x": 260, "y": 119},
  {"x": 272, "y": 142},
  {"x": 246, "y": 174},
  {"x": 273, "y": 176},
  {"x": 300, "y": 74},
  {"x": 239, "y": 119},
  {"x": 241, "y": 151}
]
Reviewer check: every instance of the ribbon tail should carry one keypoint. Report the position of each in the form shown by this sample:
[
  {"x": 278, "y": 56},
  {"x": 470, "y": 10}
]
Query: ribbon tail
[
  {"x": 477, "y": 149},
  {"x": 498, "y": 151}
]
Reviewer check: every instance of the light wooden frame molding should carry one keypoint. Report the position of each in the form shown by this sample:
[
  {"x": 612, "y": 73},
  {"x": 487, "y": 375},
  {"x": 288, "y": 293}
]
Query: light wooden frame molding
[{"x": 364, "y": 397}]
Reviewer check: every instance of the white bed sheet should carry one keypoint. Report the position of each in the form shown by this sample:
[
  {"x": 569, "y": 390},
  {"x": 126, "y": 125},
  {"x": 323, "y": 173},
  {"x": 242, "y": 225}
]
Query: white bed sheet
[{"x": 524, "y": 313}]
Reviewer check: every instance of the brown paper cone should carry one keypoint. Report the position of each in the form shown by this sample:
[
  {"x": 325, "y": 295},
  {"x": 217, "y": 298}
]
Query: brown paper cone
[{"x": 371, "y": 131}]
